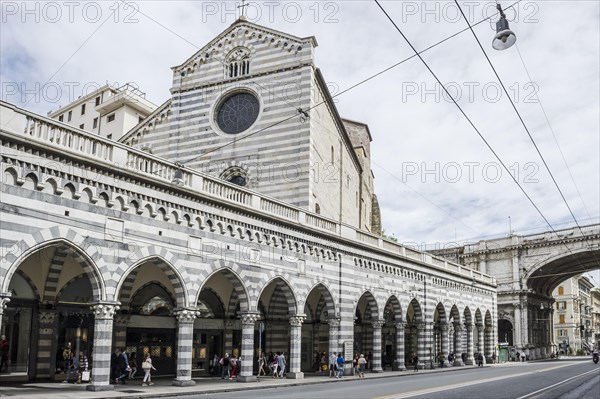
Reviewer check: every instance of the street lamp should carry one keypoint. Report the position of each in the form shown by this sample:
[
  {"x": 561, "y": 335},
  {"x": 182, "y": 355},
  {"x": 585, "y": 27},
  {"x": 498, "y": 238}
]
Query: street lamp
[{"x": 505, "y": 37}]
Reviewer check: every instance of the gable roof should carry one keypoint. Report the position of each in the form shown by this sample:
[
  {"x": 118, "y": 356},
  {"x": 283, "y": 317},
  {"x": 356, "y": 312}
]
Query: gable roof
[{"x": 240, "y": 23}]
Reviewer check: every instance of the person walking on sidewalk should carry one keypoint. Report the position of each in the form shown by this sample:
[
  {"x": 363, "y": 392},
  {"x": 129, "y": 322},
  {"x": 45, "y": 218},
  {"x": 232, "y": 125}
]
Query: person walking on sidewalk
[
  {"x": 340, "y": 365},
  {"x": 147, "y": 367},
  {"x": 83, "y": 366},
  {"x": 362, "y": 364},
  {"x": 480, "y": 360},
  {"x": 415, "y": 362},
  {"x": 132, "y": 365},
  {"x": 332, "y": 365}
]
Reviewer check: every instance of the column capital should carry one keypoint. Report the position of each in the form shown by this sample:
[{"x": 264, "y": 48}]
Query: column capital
[
  {"x": 421, "y": 326},
  {"x": 400, "y": 324},
  {"x": 186, "y": 315},
  {"x": 469, "y": 326},
  {"x": 105, "y": 310},
  {"x": 333, "y": 321},
  {"x": 4, "y": 300},
  {"x": 47, "y": 317},
  {"x": 444, "y": 326},
  {"x": 457, "y": 326},
  {"x": 249, "y": 318},
  {"x": 379, "y": 323},
  {"x": 480, "y": 327},
  {"x": 297, "y": 320}
]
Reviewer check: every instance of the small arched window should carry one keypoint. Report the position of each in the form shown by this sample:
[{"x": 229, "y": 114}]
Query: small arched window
[
  {"x": 237, "y": 63},
  {"x": 317, "y": 208}
]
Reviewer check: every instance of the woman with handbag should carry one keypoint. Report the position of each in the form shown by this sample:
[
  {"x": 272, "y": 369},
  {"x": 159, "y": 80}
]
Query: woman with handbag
[
  {"x": 84, "y": 374},
  {"x": 147, "y": 367}
]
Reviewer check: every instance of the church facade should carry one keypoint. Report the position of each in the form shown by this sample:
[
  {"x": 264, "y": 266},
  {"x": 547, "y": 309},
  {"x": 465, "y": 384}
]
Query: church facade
[{"x": 234, "y": 219}]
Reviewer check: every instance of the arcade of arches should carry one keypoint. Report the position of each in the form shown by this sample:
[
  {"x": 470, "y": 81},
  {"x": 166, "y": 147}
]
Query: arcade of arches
[{"x": 58, "y": 297}]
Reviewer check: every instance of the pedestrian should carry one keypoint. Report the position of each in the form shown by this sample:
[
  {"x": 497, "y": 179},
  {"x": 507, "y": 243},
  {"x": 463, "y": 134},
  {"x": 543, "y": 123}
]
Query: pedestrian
[
  {"x": 355, "y": 364},
  {"x": 323, "y": 362},
  {"x": 147, "y": 367},
  {"x": 72, "y": 367},
  {"x": 132, "y": 365},
  {"x": 415, "y": 362},
  {"x": 281, "y": 364},
  {"x": 66, "y": 356},
  {"x": 3, "y": 353},
  {"x": 123, "y": 366},
  {"x": 340, "y": 365},
  {"x": 114, "y": 366},
  {"x": 450, "y": 359},
  {"x": 83, "y": 366},
  {"x": 362, "y": 365},
  {"x": 224, "y": 362},
  {"x": 333, "y": 365},
  {"x": 441, "y": 359},
  {"x": 523, "y": 357},
  {"x": 262, "y": 360},
  {"x": 233, "y": 364},
  {"x": 480, "y": 359},
  {"x": 215, "y": 366},
  {"x": 273, "y": 364}
]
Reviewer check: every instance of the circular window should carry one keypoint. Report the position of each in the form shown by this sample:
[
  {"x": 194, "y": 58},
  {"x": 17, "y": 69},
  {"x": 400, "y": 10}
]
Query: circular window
[{"x": 237, "y": 113}]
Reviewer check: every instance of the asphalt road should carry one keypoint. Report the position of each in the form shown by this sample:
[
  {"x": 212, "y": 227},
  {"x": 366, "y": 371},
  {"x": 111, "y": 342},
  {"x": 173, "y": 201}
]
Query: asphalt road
[{"x": 569, "y": 379}]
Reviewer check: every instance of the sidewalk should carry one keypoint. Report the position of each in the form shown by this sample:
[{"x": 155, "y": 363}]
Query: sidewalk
[{"x": 163, "y": 387}]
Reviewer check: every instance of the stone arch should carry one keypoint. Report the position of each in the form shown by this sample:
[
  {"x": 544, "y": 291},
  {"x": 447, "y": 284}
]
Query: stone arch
[
  {"x": 88, "y": 255},
  {"x": 286, "y": 289},
  {"x": 455, "y": 314},
  {"x": 34, "y": 289},
  {"x": 161, "y": 285},
  {"x": 328, "y": 300},
  {"x": 372, "y": 304},
  {"x": 467, "y": 315},
  {"x": 441, "y": 311},
  {"x": 238, "y": 288},
  {"x": 396, "y": 307},
  {"x": 174, "y": 276}
]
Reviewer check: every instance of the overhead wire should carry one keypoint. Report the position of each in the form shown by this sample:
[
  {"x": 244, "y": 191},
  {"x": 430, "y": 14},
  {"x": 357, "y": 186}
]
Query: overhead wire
[{"x": 466, "y": 116}]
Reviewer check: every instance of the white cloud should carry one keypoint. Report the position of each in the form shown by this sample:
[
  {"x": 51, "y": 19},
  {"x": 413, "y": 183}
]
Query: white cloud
[{"x": 558, "y": 40}]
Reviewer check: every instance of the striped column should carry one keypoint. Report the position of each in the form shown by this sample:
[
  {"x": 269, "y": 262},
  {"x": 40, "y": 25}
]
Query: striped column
[
  {"x": 45, "y": 361},
  {"x": 103, "y": 325},
  {"x": 444, "y": 341},
  {"x": 185, "y": 336},
  {"x": 229, "y": 336},
  {"x": 120, "y": 331},
  {"x": 470, "y": 358},
  {"x": 421, "y": 344},
  {"x": 247, "y": 355},
  {"x": 480, "y": 340},
  {"x": 4, "y": 300},
  {"x": 334, "y": 324},
  {"x": 489, "y": 344},
  {"x": 377, "y": 325},
  {"x": 458, "y": 344},
  {"x": 400, "y": 364},
  {"x": 295, "y": 351}
]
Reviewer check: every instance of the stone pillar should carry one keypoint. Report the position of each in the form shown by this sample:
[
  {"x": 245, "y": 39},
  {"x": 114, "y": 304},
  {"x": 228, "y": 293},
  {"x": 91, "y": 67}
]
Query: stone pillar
[
  {"x": 185, "y": 337},
  {"x": 458, "y": 344},
  {"x": 400, "y": 363},
  {"x": 103, "y": 325},
  {"x": 516, "y": 328},
  {"x": 247, "y": 353},
  {"x": 489, "y": 344},
  {"x": 422, "y": 345},
  {"x": 45, "y": 356},
  {"x": 228, "y": 333},
  {"x": 470, "y": 359},
  {"x": 334, "y": 324},
  {"x": 481, "y": 341},
  {"x": 4, "y": 300},
  {"x": 377, "y": 325},
  {"x": 444, "y": 341},
  {"x": 120, "y": 331},
  {"x": 451, "y": 348},
  {"x": 295, "y": 343}
]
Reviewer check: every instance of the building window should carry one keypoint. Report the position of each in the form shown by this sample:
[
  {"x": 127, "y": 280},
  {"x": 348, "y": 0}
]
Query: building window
[
  {"x": 236, "y": 175},
  {"x": 561, "y": 319},
  {"x": 110, "y": 118},
  {"x": 95, "y": 123},
  {"x": 61, "y": 118},
  {"x": 69, "y": 116},
  {"x": 82, "y": 126},
  {"x": 561, "y": 291},
  {"x": 97, "y": 101},
  {"x": 561, "y": 305},
  {"x": 238, "y": 63},
  {"x": 140, "y": 119},
  {"x": 82, "y": 109},
  {"x": 109, "y": 137},
  {"x": 317, "y": 209}
]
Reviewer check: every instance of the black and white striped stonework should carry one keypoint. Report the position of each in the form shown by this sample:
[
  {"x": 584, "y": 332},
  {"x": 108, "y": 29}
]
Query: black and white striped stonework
[
  {"x": 48, "y": 323},
  {"x": 400, "y": 354},
  {"x": 185, "y": 335},
  {"x": 56, "y": 265},
  {"x": 103, "y": 328},
  {"x": 295, "y": 343},
  {"x": 458, "y": 344},
  {"x": 377, "y": 326},
  {"x": 247, "y": 353},
  {"x": 470, "y": 356}
]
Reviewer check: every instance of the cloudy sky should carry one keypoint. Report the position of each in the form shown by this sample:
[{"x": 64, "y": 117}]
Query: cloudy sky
[{"x": 436, "y": 180}]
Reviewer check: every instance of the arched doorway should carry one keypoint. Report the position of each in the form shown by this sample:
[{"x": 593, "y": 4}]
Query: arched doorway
[
  {"x": 505, "y": 331},
  {"x": 490, "y": 342},
  {"x": 392, "y": 336},
  {"x": 367, "y": 331},
  {"x": 469, "y": 329},
  {"x": 319, "y": 330},
  {"x": 150, "y": 293},
  {"x": 456, "y": 337},
  {"x": 415, "y": 334},
  {"x": 52, "y": 288},
  {"x": 440, "y": 335}
]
